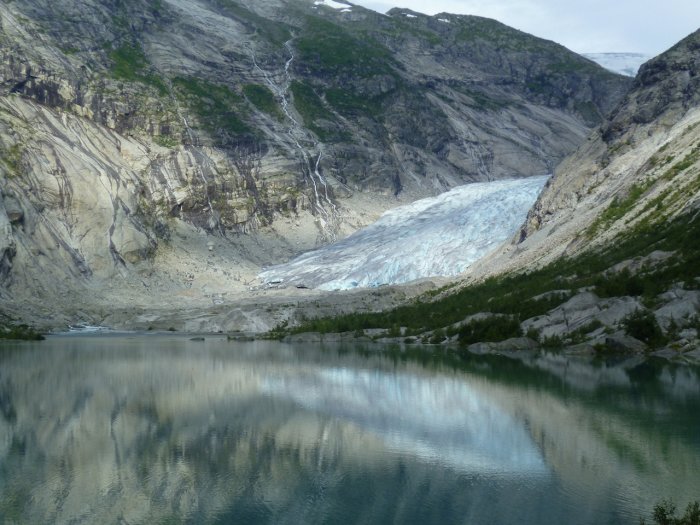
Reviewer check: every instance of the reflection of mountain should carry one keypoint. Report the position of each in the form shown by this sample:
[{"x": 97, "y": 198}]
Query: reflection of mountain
[
  {"x": 145, "y": 430},
  {"x": 440, "y": 419}
]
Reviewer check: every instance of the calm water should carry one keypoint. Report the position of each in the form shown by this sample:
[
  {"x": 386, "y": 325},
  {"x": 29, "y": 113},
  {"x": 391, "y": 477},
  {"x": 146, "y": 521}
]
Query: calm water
[{"x": 166, "y": 430}]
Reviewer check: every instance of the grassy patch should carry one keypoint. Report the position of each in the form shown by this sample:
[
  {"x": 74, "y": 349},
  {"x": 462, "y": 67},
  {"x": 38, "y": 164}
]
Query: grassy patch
[
  {"x": 689, "y": 160},
  {"x": 349, "y": 103},
  {"x": 275, "y": 32},
  {"x": 263, "y": 99},
  {"x": 311, "y": 108},
  {"x": 130, "y": 64},
  {"x": 11, "y": 157},
  {"x": 20, "y": 332},
  {"x": 218, "y": 108},
  {"x": 490, "y": 329},
  {"x": 328, "y": 49},
  {"x": 476, "y": 28},
  {"x": 619, "y": 208},
  {"x": 165, "y": 141}
]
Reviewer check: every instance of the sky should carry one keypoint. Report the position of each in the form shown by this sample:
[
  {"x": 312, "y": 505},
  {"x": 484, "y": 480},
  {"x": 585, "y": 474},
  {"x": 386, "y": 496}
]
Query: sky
[{"x": 585, "y": 26}]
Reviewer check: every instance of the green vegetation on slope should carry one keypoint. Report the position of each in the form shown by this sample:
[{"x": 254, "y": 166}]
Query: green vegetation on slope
[
  {"x": 218, "y": 108},
  {"x": 263, "y": 99},
  {"x": 327, "y": 49},
  {"x": 275, "y": 32},
  {"x": 130, "y": 64},
  {"x": 526, "y": 295},
  {"x": 312, "y": 110},
  {"x": 11, "y": 158},
  {"x": 19, "y": 332}
]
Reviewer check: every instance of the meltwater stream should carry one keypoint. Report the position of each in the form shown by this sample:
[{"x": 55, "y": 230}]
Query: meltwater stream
[
  {"x": 438, "y": 236},
  {"x": 162, "y": 429}
]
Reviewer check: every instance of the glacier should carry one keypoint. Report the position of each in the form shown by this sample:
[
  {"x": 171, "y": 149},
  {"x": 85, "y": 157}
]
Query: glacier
[
  {"x": 437, "y": 236},
  {"x": 623, "y": 63}
]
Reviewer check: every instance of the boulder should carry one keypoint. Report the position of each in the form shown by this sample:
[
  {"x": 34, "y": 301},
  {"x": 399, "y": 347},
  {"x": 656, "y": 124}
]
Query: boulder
[
  {"x": 681, "y": 305},
  {"x": 621, "y": 342},
  {"x": 306, "y": 337},
  {"x": 614, "y": 310},
  {"x": 509, "y": 345},
  {"x": 638, "y": 263},
  {"x": 14, "y": 211}
]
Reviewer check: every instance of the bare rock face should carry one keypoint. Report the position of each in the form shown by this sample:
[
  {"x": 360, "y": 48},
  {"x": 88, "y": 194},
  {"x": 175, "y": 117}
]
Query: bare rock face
[
  {"x": 638, "y": 168},
  {"x": 664, "y": 90},
  {"x": 652, "y": 129},
  {"x": 7, "y": 242}
]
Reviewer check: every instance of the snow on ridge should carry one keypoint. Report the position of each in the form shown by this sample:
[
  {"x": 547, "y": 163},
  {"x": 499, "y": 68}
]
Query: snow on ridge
[
  {"x": 623, "y": 63},
  {"x": 438, "y": 236},
  {"x": 335, "y": 5}
]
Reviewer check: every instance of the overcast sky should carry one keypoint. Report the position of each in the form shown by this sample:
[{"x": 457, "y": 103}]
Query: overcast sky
[{"x": 584, "y": 26}]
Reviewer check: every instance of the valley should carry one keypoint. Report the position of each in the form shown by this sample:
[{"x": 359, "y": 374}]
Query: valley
[{"x": 217, "y": 165}]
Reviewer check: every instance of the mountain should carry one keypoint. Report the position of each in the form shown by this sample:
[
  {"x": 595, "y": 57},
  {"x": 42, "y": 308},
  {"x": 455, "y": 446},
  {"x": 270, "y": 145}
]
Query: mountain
[
  {"x": 157, "y": 154},
  {"x": 608, "y": 258},
  {"x": 639, "y": 167}
]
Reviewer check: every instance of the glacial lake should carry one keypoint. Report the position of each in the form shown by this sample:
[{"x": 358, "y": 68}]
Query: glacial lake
[{"x": 164, "y": 430}]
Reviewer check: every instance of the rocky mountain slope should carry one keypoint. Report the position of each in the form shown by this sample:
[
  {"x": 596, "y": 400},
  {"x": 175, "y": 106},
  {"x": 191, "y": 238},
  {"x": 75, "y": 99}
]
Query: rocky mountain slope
[
  {"x": 161, "y": 153},
  {"x": 640, "y": 167},
  {"x": 608, "y": 258}
]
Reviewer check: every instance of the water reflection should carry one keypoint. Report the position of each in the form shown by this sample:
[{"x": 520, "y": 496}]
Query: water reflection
[
  {"x": 161, "y": 430},
  {"x": 437, "y": 418}
]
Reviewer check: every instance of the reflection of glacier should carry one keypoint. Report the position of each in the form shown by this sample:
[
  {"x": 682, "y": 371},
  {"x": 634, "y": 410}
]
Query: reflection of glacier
[
  {"x": 442, "y": 235},
  {"x": 437, "y": 419}
]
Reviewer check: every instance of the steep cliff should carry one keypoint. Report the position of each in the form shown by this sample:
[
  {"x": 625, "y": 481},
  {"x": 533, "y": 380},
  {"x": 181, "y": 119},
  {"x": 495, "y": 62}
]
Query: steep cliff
[{"x": 641, "y": 167}]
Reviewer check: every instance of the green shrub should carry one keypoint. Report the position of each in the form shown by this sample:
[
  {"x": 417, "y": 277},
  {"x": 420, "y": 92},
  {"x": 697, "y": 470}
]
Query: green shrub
[
  {"x": 619, "y": 284},
  {"x": 129, "y": 63},
  {"x": 20, "y": 332},
  {"x": 490, "y": 329},
  {"x": 219, "y": 108},
  {"x": 438, "y": 336},
  {"x": 533, "y": 333},
  {"x": 642, "y": 325},
  {"x": 263, "y": 99},
  {"x": 665, "y": 514},
  {"x": 552, "y": 341}
]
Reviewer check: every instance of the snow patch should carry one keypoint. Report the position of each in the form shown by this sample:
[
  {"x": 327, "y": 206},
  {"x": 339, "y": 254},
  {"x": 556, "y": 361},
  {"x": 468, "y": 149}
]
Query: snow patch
[
  {"x": 444, "y": 20},
  {"x": 335, "y": 5},
  {"x": 438, "y": 236},
  {"x": 623, "y": 63},
  {"x": 409, "y": 15}
]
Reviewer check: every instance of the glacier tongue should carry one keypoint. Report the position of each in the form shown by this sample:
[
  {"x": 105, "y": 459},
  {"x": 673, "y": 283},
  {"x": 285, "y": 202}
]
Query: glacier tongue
[{"x": 438, "y": 236}]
